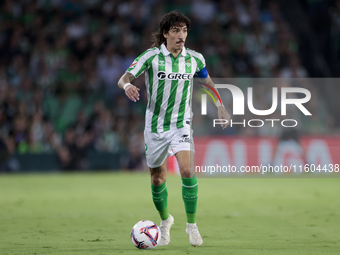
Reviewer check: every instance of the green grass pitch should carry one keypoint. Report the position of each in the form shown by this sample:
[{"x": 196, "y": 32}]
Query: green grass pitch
[{"x": 94, "y": 213}]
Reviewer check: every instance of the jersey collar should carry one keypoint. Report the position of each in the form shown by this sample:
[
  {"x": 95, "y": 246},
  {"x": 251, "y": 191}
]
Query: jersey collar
[{"x": 167, "y": 53}]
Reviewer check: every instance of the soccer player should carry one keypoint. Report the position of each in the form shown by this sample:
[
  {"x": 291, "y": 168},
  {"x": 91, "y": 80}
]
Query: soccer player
[{"x": 169, "y": 70}]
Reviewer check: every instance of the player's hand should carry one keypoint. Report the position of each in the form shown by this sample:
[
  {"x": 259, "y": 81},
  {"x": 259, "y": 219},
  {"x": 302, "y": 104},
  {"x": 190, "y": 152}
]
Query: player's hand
[
  {"x": 223, "y": 114},
  {"x": 132, "y": 93}
]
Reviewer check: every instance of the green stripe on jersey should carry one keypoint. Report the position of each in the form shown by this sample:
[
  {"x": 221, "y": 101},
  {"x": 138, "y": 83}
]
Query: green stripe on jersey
[
  {"x": 159, "y": 98},
  {"x": 145, "y": 65},
  {"x": 191, "y": 88},
  {"x": 181, "y": 111},
  {"x": 172, "y": 96},
  {"x": 200, "y": 64},
  {"x": 150, "y": 73}
]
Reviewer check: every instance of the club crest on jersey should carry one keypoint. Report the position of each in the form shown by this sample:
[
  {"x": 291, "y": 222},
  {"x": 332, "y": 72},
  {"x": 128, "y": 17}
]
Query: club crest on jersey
[
  {"x": 188, "y": 64},
  {"x": 133, "y": 64},
  {"x": 161, "y": 62},
  {"x": 174, "y": 76}
]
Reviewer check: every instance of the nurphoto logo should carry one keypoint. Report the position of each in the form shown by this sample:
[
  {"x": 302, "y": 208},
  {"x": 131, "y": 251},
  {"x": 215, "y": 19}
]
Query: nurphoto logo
[{"x": 239, "y": 104}]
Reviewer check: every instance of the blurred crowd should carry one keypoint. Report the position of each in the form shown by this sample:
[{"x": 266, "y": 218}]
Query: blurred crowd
[{"x": 61, "y": 60}]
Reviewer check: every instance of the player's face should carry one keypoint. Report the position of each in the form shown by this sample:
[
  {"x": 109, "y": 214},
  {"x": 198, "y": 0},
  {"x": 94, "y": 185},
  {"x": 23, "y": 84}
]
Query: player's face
[{"x": 176, "y": 37}]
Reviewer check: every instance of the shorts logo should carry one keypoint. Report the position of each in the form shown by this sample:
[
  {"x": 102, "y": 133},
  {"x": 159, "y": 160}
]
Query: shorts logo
[
  {"x": 185, "y": 139},
  {"x": 146, "y": 148},
  {"x": 174, "y": 76}
]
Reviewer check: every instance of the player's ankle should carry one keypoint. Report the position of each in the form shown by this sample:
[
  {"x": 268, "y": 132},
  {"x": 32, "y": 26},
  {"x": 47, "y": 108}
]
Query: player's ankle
[
  {"x": 164, "y": 214},
  {"x": 191, "y": 224}
]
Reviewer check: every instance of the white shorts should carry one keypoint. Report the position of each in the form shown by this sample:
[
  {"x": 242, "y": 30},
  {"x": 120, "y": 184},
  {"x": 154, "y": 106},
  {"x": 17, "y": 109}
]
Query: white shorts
[{"x": 159, "y": 146}]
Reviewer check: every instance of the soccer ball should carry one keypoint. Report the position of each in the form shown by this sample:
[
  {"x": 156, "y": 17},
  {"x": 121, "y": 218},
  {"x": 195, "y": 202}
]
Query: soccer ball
[{"x": 145, "y": 234}]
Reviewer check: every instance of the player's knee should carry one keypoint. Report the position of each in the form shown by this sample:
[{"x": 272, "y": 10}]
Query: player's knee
[
  {"x": 157, "y": 180},
  {"x": 185, "y": 172}
]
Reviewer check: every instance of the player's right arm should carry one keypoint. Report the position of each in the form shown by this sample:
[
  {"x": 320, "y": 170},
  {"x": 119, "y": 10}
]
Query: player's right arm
[{"x": 131, "y": 91}]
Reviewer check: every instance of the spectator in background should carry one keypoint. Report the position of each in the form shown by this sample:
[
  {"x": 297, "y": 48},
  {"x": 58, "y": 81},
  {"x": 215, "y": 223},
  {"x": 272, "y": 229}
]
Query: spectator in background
[
  {"x": 109, "y": 70},
  {"x": 19, "y": 133},
  {"x": 108, "y": 139},
  {"x": 51, "y": 139},
  {"x": 36, "y": 133},
  {"x": 203, "y": 11},
  {"x": 72, "y": 154},
  {"x": 294, "y": 70},
  {"x": 4, "y": 157},
  {"x": 266, "y": 62},
  {"x": 242, "y": 62},
  {"x": 135, "y": 159}
]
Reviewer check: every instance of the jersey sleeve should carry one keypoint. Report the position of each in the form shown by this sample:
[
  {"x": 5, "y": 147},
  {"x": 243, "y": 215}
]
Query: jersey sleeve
[
  {"x": 140, "y": 64},
  {"x": 201, "y": 71}
]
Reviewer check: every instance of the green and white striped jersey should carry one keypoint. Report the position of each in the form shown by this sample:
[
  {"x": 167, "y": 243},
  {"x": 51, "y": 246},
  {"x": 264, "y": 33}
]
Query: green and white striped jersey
[{"x": 169, "y": 84}]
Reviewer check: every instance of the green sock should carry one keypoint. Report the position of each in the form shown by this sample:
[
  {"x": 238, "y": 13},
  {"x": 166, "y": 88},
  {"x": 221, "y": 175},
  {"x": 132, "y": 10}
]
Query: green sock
[
  {"x": 189, "y": 193},
  {"x": 160, "y": 199}
]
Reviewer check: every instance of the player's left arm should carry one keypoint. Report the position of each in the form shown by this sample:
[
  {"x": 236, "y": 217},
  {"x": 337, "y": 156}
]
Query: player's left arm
[{"x": 222, "y": 112}]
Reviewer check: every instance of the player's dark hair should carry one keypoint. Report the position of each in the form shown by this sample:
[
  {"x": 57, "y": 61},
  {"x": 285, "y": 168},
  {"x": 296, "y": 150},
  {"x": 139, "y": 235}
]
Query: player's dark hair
[{"x": 169, "y": 20}]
